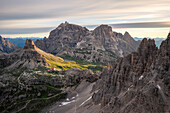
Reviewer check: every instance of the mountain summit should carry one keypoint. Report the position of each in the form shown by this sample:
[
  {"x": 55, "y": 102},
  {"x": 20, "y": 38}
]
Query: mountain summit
[
  {"x": 29, "y": 44},
  {"x": 7, "y": 46},
  {"x": 100, "y": 45}
]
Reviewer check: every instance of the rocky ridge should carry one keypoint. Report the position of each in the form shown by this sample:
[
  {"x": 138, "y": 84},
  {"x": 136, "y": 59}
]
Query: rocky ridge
[
  {"x": 99, "y": 45},
  {"x": 7, "y": 46},
  {"x": 138, "y": 82},
  {"x": 29, "y": 57}
]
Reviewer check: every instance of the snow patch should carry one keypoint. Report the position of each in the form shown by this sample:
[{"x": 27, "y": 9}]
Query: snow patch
[
  {"x": 65, "y": 103},
  {"x": 75, "y": 96},
  {"x": 85, "y": 101},
  {"x": 140, "y": 77},
  {"x": 158, "y": 86},
  {"x": 68, "y": 101}
]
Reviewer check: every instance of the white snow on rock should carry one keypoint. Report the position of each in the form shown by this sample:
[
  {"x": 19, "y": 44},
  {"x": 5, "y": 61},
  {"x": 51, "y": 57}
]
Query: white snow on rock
[
  {"x": 65, "y": 103},
  {"x": 158, "y": 86},
  {"x": 68, "y": 101},
  {"x": 140, "y": 77},
  {"x": 85, "y": 101}
]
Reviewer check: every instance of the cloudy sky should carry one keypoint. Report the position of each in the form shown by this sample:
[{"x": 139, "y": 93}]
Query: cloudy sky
[{"x": 36, "y": 18}]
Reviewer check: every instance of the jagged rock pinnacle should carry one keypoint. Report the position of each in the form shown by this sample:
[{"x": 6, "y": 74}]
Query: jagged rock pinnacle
[
  {"x": 168, "y": 35},
  {"x": 29, "y": 44}
]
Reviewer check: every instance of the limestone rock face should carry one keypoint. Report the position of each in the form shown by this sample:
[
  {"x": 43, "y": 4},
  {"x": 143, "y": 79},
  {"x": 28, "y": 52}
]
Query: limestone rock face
[
  {"x": 6, "y": 46},
  {"x": 65, "y": 35},
  {"x": 101, "y": 45},
  {"x": 75, "y": 76},
  {"x": 29, "y": 44},
  {"x": 138, "y": 82},
  {"x": 102, "y": 32},
  {"x": 28, "y": 57}
]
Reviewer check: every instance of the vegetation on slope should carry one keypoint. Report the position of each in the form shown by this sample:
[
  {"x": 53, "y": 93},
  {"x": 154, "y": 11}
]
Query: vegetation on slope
[{"x": 61, "y": 65}]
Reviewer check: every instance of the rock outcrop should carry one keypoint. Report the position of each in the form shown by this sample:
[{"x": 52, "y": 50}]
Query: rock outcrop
[
  {"x": 29, "y": 44},
  {"x": 75, "y": 76},
  {"x": 101, "y": 45},
  {"x": 6, "y": 46},
  {"x": 29, "y": 57},
  {"x": 138, "y": 82}
]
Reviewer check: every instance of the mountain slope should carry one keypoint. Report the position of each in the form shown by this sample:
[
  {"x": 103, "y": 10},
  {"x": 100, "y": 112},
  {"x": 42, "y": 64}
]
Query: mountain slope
[
  {"x": 101, "y": 45},
  {"x": 31, "y": 57},
  {"x": 138, "y": 82},
  {"x": 6, "y": 46}
]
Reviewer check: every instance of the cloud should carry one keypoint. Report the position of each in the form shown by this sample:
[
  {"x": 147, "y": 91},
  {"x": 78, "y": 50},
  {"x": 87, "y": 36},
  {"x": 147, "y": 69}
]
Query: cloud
[
  {"x": 142, "y": 25},
  {"x": 25, "y": 30},
  {"x": 137, "y": 25},
  {"x": 36, "y": 16},
  {"x": 33, "y": 9}
]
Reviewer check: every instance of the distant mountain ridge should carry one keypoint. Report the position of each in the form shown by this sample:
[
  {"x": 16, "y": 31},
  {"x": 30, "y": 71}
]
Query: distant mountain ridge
[
  {"x": 7, "y": 46},
  {"x": 99, "y": 45},
  {"x": 20, "y": 41}
]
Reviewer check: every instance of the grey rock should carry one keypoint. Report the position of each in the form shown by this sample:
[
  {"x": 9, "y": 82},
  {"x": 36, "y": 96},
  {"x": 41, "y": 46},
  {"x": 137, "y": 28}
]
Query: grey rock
[
  {"x": 7, "y": 46},
  {"x": 138, "y": 82},
  {"x": 101, "y": 45}
]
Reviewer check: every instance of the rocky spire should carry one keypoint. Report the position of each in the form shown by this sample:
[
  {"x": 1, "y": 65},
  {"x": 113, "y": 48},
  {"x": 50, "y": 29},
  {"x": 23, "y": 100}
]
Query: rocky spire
[
  {"x": 29, "y": 44},
  {"x": 1, "y": 39},
  {"x": 147, "y": 47},
  {"x": 168, "y": 35},
  {"x": 135, "y": 80},
  {"x": 165, "y": 46}
]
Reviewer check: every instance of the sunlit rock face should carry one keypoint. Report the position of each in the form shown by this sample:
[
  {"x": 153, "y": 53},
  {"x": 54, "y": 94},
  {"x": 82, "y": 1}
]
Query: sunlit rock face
[
  {"x": 29, "y": 44},
  {"x": 138, "y": 82}
]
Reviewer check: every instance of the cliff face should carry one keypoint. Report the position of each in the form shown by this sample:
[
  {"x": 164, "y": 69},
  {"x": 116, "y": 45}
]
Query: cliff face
[
  {"x": 29, "y": 57},
  {"x": 65, "y": 35},
  {"x": 100, "y": 45},
  {"x": 6, "y": 46},
  {"x": 138, "y": 82}
]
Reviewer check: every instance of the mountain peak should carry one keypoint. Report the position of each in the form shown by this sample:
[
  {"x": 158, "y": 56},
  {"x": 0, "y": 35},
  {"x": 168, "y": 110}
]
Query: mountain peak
[
  {"x": 103, "y": 26},
  {"x": 103, "y": 30},
  {"x": 147, "y": 47},
  {"x": 7, "y": 46},
  {"x": 66, "y": 22},
  {"x": 168, "y": 35},
  {"x": 126, "y": 34},
  {"x": 29, "y": 44},
  {"x": 165, "y": 46}
]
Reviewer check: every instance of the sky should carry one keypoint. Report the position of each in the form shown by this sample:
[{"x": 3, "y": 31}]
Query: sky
[{"x": 36, "y": 18}]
